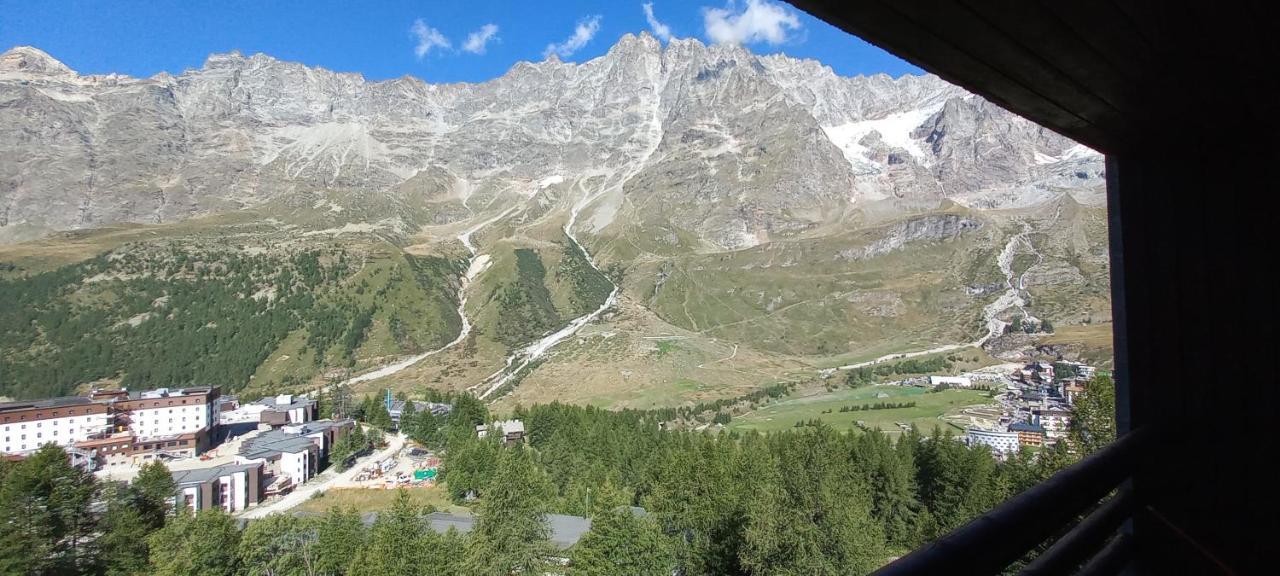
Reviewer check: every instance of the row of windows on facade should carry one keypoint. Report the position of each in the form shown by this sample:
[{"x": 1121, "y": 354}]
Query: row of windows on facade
[
  {"x": 22, "y": 417},
  {"x": 71, "y": 432},
  {"x": 40, "y": 423},
  {"x": 70, "y": 412}
]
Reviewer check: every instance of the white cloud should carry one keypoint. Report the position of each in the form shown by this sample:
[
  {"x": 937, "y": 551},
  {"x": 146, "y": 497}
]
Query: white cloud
[
  {"x": 762, "y": 21},
  {"x": 428, "y": 38},
  {"x": 478, "y": 40},
  {"x": 585, "y": 31},
  {"x": 662, "y": 31}
]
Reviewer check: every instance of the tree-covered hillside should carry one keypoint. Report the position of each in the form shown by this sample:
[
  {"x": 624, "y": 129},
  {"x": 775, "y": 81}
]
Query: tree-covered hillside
[{"x": 171, "y": 314}]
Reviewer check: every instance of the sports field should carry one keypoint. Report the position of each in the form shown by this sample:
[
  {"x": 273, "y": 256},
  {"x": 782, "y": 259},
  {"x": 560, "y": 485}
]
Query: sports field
[{"x": 929, "y": 410}]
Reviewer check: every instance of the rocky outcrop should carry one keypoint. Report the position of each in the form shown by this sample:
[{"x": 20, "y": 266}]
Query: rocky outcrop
[{"x": 924, "y": 229}]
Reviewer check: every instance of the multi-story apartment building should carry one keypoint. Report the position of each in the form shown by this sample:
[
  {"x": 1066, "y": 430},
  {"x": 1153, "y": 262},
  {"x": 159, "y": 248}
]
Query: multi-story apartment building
[
  {"x": 275, "y": 410},
  {"x": 115, "y": 426},
  {"x": 1002, "y": 443},
  {"x": 26, "y": 426},
  {"x": 1055, "y": 421},
  {"x": 231, "y": 487},
  {"x": 163, "y": 412}
]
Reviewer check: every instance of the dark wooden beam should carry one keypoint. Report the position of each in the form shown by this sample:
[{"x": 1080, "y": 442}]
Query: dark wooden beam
[{"x": 1019, "y": 55}]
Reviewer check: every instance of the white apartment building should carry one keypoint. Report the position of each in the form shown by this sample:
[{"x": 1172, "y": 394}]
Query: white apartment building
[
  {"x": 1056, "y": 421},
  {"x": 115, "y": 426},
  {"x": 284, "y": 454},
  {"x": 163, "y": 412},
  {"x": 1001, "y": 443},
  {"x": 274, "y": 410},
  {"x": 231, "y": 487},
  {"x": 960, "y": 381},
  {"x": 26, "y": 426}
]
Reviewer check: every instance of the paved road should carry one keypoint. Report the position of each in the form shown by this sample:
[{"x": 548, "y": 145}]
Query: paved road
[{"x": 304, "y": 492}]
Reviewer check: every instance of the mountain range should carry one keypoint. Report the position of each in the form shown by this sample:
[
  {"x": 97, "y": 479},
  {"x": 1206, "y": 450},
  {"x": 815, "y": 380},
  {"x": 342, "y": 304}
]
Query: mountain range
[{"x": 660, "y": 224}]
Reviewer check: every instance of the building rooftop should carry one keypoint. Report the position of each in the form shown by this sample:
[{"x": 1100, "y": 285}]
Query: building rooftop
[
  {"x": 169, "y": 392},
  {"x": 202, "y": 475},
  {"x": 1025, "y": 427},
  {"x": 285, "y": 402},
  {"x": 274, "y": 442},
  {"x": 45, "y": 403},
  {"x": 503, "y": 426},
  {"x": 326, "y": 424},
  {"x": 397, "y": 407}
]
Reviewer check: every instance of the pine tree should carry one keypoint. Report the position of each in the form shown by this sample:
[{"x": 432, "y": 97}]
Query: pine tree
[
  {"x": 468, "y": 412},
  {"x": 815, "y": 518},
  {"x": 44, "y": 512},
  {"x": 379, "y": 417},
  {"x": 890, "y": 472},
  {"x": 444, "y": 554},
  {"x": 154, "y": 491},
  {"x": 123, "y": 544},
  {"x": 1093, "y": 419},
  {"x": 621, "y": 543},
  {"x": 340, "y": 536},
  {"x": 395, "y": 542},
  {"x": 511, "y": 534},
  {"x": 201, "y": 544},
  {"x": 408, "y": 418},
  {"x": 469, "y": 464},
  {"x": 278, "y": 545}
]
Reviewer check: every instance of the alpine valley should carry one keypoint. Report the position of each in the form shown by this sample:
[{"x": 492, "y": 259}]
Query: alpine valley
[{"x": 661, "y": 225}]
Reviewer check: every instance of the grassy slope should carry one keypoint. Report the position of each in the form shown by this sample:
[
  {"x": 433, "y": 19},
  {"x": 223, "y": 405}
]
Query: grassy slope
[
  {"x": 800, "y": 298},
  {"x": 928, "y": 412},
  {"x": 623, "y": 361}
]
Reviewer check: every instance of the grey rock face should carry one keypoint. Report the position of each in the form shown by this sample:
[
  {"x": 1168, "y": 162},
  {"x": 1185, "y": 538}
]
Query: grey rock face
[
  {"x": 692, "y": 141},
  {"x": 922, "y": 229}
]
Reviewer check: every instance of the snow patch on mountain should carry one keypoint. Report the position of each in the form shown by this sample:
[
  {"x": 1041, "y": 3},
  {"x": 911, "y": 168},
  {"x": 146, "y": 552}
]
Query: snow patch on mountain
[{"x": 894, "y": 131}]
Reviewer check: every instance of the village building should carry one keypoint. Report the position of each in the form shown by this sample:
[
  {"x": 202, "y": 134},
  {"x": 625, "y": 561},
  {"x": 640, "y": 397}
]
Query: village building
[
  {"x": 292, "y": 454},
  {"x": 396, "y": 409},
  {"x": 958, "y": 381},
  {"x": 1002, "y": 443},
  {"x": 274, "y": 410},
  {"x": 115, "y": 427},
  {"x": 26, "y": 426},
  {"x": 288, "y": 459},
  {"x": 1056, "y": 421},
  {"x": 231, "y": 487},
  {"x": 512, "y": 431},
  {"x": 1072, "y": 390},
  {"x": 166, "y": 413},
  {"x": 1028, "y": 434}
]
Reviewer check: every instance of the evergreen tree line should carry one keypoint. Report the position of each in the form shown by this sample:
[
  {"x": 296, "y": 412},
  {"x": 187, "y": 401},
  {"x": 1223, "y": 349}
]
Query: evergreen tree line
[
  {"x": 872, "y": 374},
  {"x": 56, "y": 519},
  {"x": 60, "y": 521},
  {"x": 876, "y": 406},
  {"x": 525, "y": 309},
  {"x": 804, "y": 501}
]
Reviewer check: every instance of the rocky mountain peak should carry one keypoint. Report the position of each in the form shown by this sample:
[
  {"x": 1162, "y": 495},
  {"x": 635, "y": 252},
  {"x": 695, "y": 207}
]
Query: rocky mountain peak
[
  {"x": 642, "y": 42},
  {"x": 709, "y": 128},
  {"x": 32, "y": 61},
  {"x": 224, "y": 59}
]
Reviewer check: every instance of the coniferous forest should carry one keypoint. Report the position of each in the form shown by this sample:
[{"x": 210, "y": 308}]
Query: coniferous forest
[
  {"x": 806, "y": 501},
  {"x": 173, "y": 315}
]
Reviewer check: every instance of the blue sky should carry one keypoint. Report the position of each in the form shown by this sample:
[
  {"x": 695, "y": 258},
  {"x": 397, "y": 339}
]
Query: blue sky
[{"x": 438, "y": 41}]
